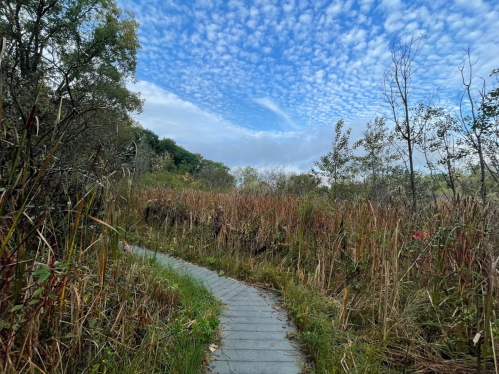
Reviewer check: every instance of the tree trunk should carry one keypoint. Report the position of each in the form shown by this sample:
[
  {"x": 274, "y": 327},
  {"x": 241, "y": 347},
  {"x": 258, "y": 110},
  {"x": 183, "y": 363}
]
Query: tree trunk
[{"x": 483, "y": 188}]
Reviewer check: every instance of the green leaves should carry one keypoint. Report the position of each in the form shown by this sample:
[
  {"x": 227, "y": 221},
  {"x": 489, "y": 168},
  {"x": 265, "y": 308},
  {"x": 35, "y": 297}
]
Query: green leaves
[
  {"x": 336, "y": 164},
  {"x": 38, "y": 291},
  {"x": 221, "y": 272},
  {"x": 59, "y": 266},
  {"x": 43, "y": 273},
  {"x": 16, "y": 308}
]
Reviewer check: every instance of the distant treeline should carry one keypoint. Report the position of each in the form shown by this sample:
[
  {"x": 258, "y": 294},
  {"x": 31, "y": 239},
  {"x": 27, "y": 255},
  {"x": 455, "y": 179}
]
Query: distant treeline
[{"x": 164, "y": 162}]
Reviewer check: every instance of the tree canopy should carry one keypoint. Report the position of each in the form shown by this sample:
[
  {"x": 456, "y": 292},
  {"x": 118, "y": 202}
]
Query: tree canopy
[{"x": 64, "y": 73}]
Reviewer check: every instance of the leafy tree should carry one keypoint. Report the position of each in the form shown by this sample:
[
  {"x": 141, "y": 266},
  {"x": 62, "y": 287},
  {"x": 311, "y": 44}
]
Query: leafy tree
[
  {"x": 246, "y": 178},
  {"x": 375, "y": 165},
  {"x": 439, "y": 146},
  {"x": 145, "y": 136},
  {"x": 215, "y": 175},
  {"x": 335, "y": 165},
  {"x": 183, "y": 159},
  {"x": 301, "y": 184},
  {"x": 64, "y": 76}
]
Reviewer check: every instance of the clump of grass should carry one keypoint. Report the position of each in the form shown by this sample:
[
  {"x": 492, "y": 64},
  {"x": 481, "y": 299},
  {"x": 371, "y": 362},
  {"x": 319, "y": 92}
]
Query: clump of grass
[
  {"x": 404, "y": 292},
  {"x": 143, "y": 319}
]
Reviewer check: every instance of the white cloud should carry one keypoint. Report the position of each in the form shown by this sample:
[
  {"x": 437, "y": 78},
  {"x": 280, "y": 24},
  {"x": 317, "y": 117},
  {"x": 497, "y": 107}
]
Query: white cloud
[
  {"x": 309, "y": 62},
  {"x": 365, "y": 5},
  {"x": 216, "y": 138},
  {"x": 269, "y": 104},
  {"x": 334, "y": 8},
  {"x": 169, "y": 115},
  {"x": 305, "y": 18},
  {"x": 252, "y": 23}
]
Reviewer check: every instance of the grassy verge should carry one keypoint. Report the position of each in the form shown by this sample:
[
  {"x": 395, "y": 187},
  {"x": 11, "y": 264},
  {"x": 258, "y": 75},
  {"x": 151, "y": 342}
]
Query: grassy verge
[
  {"x": 156, "y": 321},
  {"x": 142, "y": 319},
  {"x": 177, "y": 338}
]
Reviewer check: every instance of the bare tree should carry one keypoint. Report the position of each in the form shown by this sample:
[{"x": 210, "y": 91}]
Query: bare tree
[
  {"x": 475, "y": 124},
  {"x": 397, "y": 89},
  {"x": 274, "y": 178}
]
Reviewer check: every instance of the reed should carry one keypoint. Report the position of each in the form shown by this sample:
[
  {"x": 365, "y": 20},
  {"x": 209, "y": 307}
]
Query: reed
[
  {"x": 413, "y": 287},
  {"x": 71, "y": 300}
]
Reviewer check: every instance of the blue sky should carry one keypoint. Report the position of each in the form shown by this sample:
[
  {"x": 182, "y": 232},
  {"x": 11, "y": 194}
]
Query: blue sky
[{"x": 262, "y": 83}]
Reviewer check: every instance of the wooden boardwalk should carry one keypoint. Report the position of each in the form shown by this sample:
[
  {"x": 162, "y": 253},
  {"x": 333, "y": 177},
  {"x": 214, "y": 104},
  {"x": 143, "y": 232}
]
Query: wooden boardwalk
[{"x": 254, "y": 330}]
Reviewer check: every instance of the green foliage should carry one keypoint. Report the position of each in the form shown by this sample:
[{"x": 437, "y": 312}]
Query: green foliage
[
  {"x": 335, "y": 165},
  {"x": 376, "y": 166},
  {"x": 301, "y": 184},
  {"x": 183, "y": 159},
  {"x": 215, "y": 176},
  {"x": 246, "y": 178},
  {"x": 162, "y": 180},
  {"x": 163, "y": 162},
  {"x": 64, "y": 77}
]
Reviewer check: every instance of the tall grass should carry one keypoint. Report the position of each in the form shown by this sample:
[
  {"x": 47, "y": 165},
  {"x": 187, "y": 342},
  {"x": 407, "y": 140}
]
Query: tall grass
[
  {"x": 71, "y": 301},
  {"x": 385, "y": 290}
]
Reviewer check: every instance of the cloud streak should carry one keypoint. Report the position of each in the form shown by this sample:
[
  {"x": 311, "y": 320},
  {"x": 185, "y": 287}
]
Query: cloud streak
[
  {"x": 217, "y": 138},
  {"x": 170, "y": 116},
  {"x": 270, "y": 105}
]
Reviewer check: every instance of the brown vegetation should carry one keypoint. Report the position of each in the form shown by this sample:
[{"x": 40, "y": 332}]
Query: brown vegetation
[{"x": 424, "y": 291}]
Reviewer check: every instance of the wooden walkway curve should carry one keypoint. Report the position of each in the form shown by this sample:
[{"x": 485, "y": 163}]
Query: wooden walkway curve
[{"x": 254, "y": 331}]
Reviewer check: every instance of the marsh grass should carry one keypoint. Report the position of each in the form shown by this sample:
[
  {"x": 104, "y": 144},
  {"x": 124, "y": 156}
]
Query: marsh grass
[
  {"x": 71, "y": 301},
  {"x": 74, "y": 303},
  {"x": 371, "y": 288}
]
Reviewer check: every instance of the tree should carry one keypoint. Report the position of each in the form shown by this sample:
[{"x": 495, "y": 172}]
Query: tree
[
  {"x": 65, "y": 71},
  {"x": 273, "y": 178},
  {"x": 439, "y": 146},
  {"x": 490, "y": 109},
  {"x": 375, "y": 165},
  {"x": 301, "y": 184},
  {"x": 335, "y": 165},
  {"x": 397, "y": 92},
  {"x": 246, "y": 178},
  {"x": 185, "y": 161},
  {"x": 475, "y": 124},
  {"x": 215, "y": 175},
  {"x": 479, "y": 127}
]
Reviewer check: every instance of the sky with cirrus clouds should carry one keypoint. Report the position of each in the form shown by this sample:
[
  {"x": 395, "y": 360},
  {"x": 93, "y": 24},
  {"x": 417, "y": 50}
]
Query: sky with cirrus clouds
[{"x": 262, "y": 82}]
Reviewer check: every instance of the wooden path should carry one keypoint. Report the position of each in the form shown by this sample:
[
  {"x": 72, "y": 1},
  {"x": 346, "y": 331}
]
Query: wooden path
[{"x": 254, "y": 330}]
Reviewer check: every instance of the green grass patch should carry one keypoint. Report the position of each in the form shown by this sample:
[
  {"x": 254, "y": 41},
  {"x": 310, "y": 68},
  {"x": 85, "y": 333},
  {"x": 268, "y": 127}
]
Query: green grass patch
[{"x": 176, "y": 342}]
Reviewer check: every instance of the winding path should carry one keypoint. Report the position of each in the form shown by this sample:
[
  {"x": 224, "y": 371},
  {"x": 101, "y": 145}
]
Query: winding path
[{"x": 254, "y": 329}]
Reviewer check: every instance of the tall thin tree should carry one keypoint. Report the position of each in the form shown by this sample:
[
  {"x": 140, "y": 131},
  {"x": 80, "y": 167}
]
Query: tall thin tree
[{"x": 397, "y": 90}]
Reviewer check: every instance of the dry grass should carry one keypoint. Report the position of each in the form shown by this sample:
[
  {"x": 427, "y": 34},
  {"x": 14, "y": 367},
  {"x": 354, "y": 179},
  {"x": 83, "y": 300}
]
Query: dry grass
[
  {"x": 72, "y": 302},
  {"x": 419, "y": 290}
]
